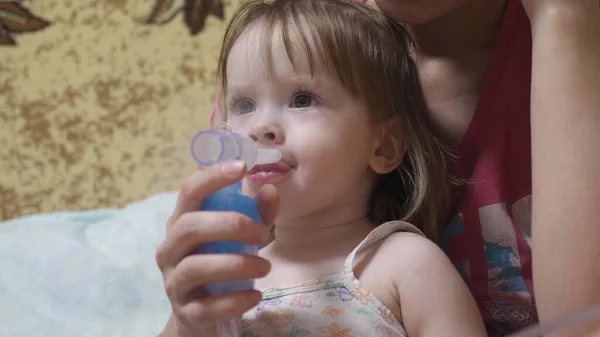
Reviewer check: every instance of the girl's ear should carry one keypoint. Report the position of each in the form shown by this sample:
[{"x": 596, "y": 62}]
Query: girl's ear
[{"x": 389, "y": 150}]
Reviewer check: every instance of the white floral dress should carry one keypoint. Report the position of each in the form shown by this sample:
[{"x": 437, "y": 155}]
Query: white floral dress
[{"x": 334, "y": 306}]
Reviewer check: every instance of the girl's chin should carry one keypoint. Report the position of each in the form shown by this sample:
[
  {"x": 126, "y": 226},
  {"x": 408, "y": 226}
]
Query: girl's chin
[
  {"x": 288, "y": 213},
  {"x": 288, "y": 205}
]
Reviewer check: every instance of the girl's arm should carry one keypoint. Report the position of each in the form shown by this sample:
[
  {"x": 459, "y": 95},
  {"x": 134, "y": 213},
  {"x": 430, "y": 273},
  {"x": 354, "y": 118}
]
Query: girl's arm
[
  {"x": 434, "y": 299},
  {"x": 565, "y": 118}
]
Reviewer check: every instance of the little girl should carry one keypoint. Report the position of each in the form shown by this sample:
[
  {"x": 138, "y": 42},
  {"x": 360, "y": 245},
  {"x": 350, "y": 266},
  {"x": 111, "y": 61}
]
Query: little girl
[{"x": 332, "y": 86}]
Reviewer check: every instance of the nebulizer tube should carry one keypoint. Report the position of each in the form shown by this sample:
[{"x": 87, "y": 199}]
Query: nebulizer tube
[{"x": 211, "y": 147}]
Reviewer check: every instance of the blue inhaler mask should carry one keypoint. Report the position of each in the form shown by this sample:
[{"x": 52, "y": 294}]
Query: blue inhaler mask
[{"x": 211, "y": 147}]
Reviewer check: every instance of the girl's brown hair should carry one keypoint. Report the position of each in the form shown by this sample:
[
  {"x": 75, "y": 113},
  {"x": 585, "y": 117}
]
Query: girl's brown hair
[{"x": 370, "y": 55}]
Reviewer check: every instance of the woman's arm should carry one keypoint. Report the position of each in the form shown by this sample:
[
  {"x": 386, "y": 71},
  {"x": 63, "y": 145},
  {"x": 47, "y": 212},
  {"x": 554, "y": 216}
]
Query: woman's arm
[{"x": 565, "y": 118}]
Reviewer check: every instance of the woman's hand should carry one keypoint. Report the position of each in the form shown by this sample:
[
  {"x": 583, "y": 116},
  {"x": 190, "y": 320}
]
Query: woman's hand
[{"x": 185, "y": 273}]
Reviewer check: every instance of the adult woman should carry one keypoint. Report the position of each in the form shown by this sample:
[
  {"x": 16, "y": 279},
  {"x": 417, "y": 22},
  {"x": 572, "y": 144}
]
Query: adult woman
[{"x": 479, "y": 62}]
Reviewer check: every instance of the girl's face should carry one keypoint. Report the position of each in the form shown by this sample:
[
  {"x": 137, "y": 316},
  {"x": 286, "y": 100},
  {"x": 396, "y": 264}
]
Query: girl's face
[
  {"x": 417, "y": 11},
  {"x": 327, "y": 140}
]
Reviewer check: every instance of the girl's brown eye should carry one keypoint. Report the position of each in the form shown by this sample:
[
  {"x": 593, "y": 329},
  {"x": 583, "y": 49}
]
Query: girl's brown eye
[
  {"x": 244, "y": 107},
  {"x": 302, "y": 101}
]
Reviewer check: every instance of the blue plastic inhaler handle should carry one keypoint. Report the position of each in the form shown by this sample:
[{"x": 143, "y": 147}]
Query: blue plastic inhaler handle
[
  {"x": 212, "y": 147},
  {"x": 230, "y": 199}
]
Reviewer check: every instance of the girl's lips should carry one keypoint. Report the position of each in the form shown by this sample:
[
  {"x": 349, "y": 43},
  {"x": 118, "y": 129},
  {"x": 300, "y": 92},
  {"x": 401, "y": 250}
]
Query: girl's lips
[{"x": 269, "y": 173}]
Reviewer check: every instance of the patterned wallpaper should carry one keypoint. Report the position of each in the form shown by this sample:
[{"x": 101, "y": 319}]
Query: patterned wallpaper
[{"x": 100, "y": 98}]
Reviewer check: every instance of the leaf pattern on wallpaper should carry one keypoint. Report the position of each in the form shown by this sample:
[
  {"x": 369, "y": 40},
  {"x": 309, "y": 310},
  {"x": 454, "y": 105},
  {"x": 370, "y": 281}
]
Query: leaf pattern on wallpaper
[
  {"x": 164, "y": 11},
  {"x": 195, "y": 12},
  {"x": 15, "y": 19}
]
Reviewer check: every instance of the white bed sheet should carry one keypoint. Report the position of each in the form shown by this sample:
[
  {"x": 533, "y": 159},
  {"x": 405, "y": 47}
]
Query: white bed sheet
[{"x": 84, "y": 274}]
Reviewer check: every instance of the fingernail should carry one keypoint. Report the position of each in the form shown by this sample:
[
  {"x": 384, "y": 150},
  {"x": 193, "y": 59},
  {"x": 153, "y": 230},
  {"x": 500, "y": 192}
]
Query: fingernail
[{"x": 233, "y": 168}]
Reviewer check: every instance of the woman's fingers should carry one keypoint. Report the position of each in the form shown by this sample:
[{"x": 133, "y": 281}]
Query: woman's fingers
[
  {"x": 203, "y": 183},
  {"x": 212, "y": 310},
  {"x": 195, "y": 271},
  {"x": 185, "y": 274},
  {"x": 268, "y": 204},
  {"x": 195, "y": 228}
]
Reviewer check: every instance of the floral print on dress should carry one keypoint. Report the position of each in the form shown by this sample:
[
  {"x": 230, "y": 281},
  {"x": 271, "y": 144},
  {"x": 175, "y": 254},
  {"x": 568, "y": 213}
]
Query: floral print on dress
[
  {"x": 334, "y": 330},
  {"x": 383, "y": 331},
  {"x": 386, "y": 314},
  {"x": 297, "y": 332},
  {"x": 365, "y": 311},
  {"x": 343, "y": 294},
  {"x": 361, "y": 294},
  {"x": 333, "y": 312},
  {"x": 334, "y": 284},
  {"x": 277, "y": 318},
  {"x": 270, "y": 302},
  {"x": 322, "y": 311},
  {"x": 337, "y": 306},
  {"x": 302, "y": 301},
  {"x": 273, "y": 292},
  {"x": 309, "y": 283}
]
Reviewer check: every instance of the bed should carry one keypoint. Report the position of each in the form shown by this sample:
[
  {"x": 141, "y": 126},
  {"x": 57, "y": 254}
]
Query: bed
[
  {"x": 98, "y": 103},
  {"x": 89, "y": 273}
]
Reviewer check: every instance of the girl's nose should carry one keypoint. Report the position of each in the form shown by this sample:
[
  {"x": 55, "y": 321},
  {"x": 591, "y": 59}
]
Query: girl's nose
[{"x": 267, "y": 134}]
